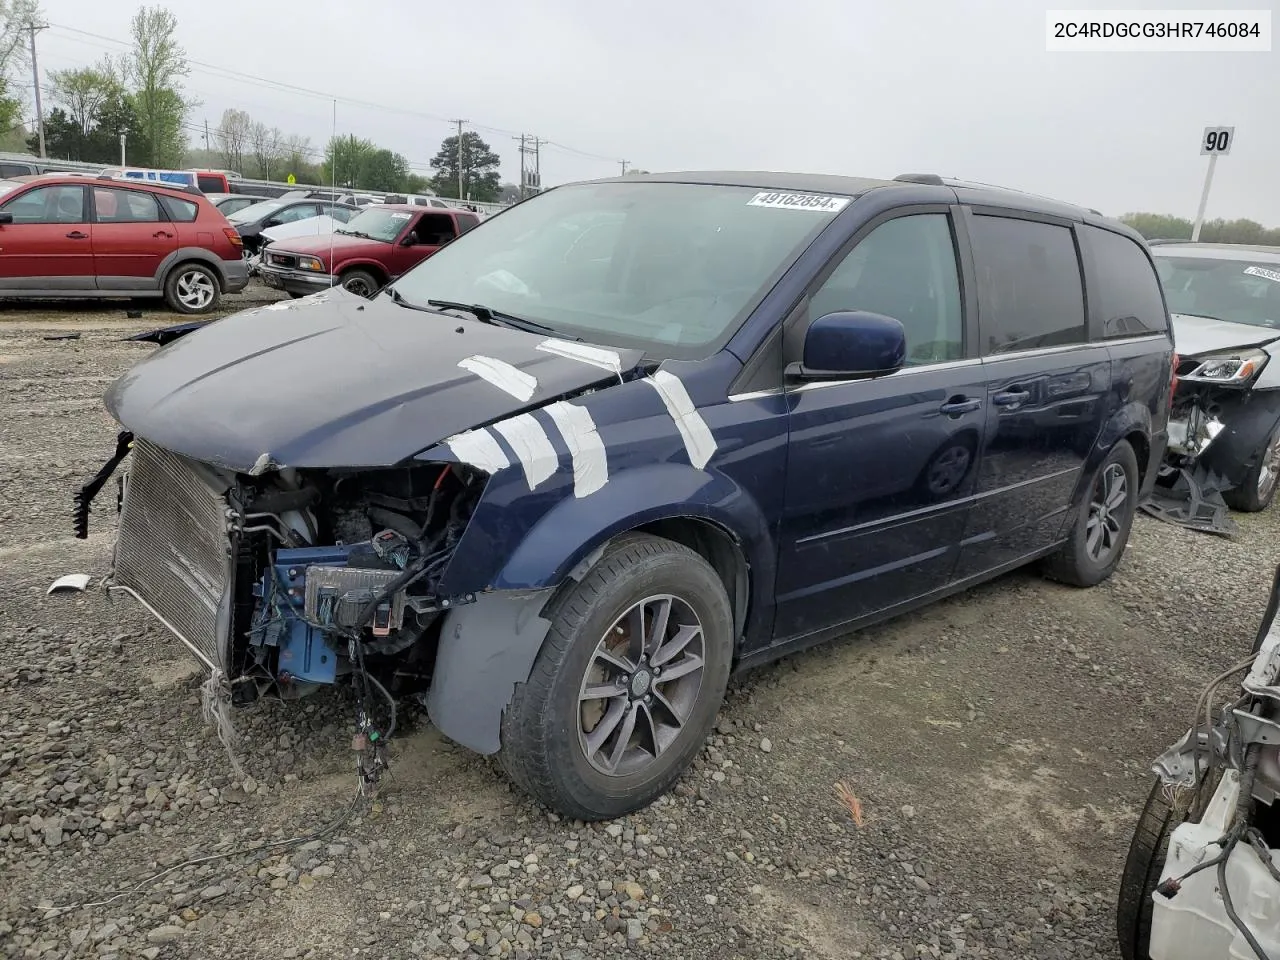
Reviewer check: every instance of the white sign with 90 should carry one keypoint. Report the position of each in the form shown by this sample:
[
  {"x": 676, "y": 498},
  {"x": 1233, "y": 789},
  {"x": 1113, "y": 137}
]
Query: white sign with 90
[{"x": 1216, "y": 141}]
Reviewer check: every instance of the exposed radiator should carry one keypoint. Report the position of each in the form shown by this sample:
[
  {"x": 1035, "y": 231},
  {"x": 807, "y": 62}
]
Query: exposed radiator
[{"x": 173, "y": 550}]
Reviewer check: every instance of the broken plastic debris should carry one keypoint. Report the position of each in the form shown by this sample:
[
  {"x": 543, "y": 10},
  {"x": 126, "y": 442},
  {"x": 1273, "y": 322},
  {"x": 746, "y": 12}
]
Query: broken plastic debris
[{"x": 78, "y": 582}]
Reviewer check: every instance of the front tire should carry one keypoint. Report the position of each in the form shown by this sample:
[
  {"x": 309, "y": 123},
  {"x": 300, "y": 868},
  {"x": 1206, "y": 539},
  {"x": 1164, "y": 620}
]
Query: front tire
[
  {"x": 1258, "y": 488},
  {"x": 1101, "y": 532},
  {"x": 627, "y": 685},
  {"x": 192, "y": 288},
  {"x": 361, "y": 282}
]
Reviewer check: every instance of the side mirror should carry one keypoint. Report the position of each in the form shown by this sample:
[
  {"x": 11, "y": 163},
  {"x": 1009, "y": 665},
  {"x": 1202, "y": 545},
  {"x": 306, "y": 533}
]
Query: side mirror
[
  {"x": 850, "y": 345},
  {"x": 5, "y": 217},
  {"x": 410, "y": 240}
]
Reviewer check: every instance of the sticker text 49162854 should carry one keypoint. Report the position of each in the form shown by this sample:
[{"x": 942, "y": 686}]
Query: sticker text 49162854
[{"x": 799, "y": 201}]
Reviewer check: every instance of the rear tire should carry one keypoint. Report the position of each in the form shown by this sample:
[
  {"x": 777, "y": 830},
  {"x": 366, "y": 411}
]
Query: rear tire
[
  {"x": 192, "y": 288},
  {"x": 1101, "y": 532},
  {"x": 1258, "y": 488},
  {"x": 361, "y": 282},
  {"x": 561, "y": 744}
]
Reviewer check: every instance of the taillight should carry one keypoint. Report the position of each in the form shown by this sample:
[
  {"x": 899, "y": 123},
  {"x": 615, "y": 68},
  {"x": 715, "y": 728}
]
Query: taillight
[
  {"x": 233, "y": 236},
  {"x": 1173, "y": 380}
]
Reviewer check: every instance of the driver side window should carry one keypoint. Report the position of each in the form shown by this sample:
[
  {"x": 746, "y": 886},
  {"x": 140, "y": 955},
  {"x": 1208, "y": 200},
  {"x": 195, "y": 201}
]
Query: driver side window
[
  {"x": 905, "y": 269},
  {"x": 52, "y": 204}
]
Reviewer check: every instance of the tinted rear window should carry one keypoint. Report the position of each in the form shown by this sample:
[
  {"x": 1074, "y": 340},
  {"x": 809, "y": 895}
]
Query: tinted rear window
[
  {"x": 179, "y": 210},
  {"x": 466, "y": 221},
  {"x": 1127, "y": 296},
  {"x": 1030, "y": 294}
]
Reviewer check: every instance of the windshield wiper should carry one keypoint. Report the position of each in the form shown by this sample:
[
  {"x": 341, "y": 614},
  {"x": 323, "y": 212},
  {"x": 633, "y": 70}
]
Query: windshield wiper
[
  {"x": 354, "y": 233},
  {"x": 398, "y": 298},
  {"x": 497, "y": 318}
]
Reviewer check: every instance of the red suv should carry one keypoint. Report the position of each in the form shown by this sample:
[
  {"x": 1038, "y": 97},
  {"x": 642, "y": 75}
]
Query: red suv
[
  {"x": 372, "y": 249},
  {"x": 74, "y": 237}
]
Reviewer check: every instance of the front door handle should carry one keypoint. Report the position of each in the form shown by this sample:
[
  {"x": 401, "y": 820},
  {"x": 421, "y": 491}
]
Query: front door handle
[
  {"x": 1010, "y": 398},
  {"x": 162, "y": 233},
  {"x": 77, "y": 235},
  {"x": 959, "y": 405}
]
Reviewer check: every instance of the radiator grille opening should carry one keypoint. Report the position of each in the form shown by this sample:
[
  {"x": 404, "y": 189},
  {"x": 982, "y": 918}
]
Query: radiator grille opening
[{"x": 173, "y": 550}]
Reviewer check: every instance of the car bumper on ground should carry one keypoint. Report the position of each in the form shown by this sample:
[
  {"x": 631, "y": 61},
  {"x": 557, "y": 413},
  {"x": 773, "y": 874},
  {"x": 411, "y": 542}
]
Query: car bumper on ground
[
  {"x": 236, "y": 273},
  {"x": 294, "y": 281}
]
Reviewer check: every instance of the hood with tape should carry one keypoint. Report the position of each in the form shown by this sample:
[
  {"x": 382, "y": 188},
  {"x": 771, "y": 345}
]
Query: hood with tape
[{"x": 335, "y": 380}]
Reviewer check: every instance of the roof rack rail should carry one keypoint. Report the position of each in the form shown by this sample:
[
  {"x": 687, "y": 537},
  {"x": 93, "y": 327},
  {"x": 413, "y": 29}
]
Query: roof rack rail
[{"x": 930, "y": 178}]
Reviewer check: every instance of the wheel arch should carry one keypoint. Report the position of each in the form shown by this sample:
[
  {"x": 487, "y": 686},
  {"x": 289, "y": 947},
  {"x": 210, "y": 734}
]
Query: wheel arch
[
  {"x": 368, "y": 266},
  {"x": 185, "y": 255}
]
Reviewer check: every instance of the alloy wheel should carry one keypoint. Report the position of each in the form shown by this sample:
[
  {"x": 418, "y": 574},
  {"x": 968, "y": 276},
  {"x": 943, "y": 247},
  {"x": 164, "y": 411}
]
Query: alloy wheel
[
  {"x": 1270, "y": 471},
  {"x": 195, "y": 290},
  {"x": 1106, "y": 513},
  {"x": 641, "y": 685}
]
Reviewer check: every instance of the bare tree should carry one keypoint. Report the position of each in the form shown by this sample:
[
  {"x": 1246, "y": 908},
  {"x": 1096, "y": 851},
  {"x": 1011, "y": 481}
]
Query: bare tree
[
  {"x": 15, "y": 16},
  {"x": 266, "y": 147},
  {"x": 232, "y": 135},
  {"x": 296, "y": 151}
]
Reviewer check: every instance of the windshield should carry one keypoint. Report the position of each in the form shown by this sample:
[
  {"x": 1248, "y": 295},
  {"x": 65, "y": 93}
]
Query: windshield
[
  {"x": 377, "y": 224},
  {"x": 1241, "y": 291},
  {"x": 255, "y": 211},
  {"x": 667, "y": 267}
]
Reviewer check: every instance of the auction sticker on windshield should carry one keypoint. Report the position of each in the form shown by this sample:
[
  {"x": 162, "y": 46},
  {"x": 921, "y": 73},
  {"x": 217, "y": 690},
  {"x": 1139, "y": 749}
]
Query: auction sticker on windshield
[
  {"x": 1263, "y": 272},
  {"x": 799, "y": 201}
]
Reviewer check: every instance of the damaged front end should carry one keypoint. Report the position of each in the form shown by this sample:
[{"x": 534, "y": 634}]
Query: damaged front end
[
  {"x": 284, "y": 581},
  {"x": 1220, "y": 426},
  {"x": 1218, "y": 894}
]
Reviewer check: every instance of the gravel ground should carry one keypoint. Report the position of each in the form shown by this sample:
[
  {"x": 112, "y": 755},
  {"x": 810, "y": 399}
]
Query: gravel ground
[{"x": 998, "y": 744}]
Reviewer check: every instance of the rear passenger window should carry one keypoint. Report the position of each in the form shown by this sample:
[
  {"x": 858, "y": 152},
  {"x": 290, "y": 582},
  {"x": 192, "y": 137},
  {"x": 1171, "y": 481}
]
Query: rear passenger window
[
  {"x": 1128, "y": 295},
  {"x": 179, "y": 211},
  {"x": 904, "y": 269},
  {"x": 124, "y": 206},
  {"x": 1029, "y": 287},
  {"x": 466, "y": 221}
]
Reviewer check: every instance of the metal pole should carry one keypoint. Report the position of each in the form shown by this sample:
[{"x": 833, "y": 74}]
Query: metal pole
[
  {"x": 1204, "y": 197},
  {"x": 122, "y": 139},
  {"x": 35, "y": 74},
  {"x": 624, "y": 167},
  {"x": 460, "y": 175},
  {"x": 521, "y": 138}
]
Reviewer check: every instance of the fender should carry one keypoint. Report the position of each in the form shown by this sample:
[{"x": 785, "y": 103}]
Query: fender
[
  {"x": 568, "y": 532},
  {"x": 363, "y": 263}
]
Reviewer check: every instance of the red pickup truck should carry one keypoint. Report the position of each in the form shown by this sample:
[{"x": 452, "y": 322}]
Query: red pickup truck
[{"x": 372, "y": 249}]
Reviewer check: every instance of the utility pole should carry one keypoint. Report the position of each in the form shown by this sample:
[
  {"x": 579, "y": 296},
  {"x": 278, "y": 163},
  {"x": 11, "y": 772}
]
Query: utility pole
[
  {"x": 522, "y": 138},
  {"x": 460, "y": 170},
  {"x": 537, "y": 163},
  {"x": 624, "y": 167},
  {"x": 206, "y": 135},
  {"x": 35, "y": 77},
  {"x": 122, "y": 139}
]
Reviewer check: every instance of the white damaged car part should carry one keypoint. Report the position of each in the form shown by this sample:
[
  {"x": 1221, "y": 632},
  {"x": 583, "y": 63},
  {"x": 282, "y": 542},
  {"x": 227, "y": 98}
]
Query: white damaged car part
[
  {"x": 1202, "y": 881},
  {"x": 1224, "y": 431}
]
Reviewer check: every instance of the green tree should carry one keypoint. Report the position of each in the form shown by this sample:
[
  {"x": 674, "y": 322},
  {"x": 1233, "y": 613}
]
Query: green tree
[
  {"x": 1161, "y": 226},
  {"x": 382, "y": 169},
  {"x": 481, "y": 179},
  {"x": 156, "y": 67},
  {"x": 82, "y": 93},
  {"x": 344, "y": 158}
]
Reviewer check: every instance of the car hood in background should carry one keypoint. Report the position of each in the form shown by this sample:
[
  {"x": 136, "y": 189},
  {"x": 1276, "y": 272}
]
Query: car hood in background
[
  {"x": 342, "y": 244},
  {"x": 1193, "y": 336},
  {"x": 335, "y": 380}
]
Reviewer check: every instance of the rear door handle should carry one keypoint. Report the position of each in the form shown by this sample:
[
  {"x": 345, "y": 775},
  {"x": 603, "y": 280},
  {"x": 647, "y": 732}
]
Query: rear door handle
[
  {"x": 77, "y": 235},
  {"x": 1010, "y": 398},
  {"x": 953, "y": 408}
]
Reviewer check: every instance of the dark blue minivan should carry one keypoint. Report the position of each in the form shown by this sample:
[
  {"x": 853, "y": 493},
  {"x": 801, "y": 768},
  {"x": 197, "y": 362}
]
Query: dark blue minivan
[{"x": 631, "y": 435}]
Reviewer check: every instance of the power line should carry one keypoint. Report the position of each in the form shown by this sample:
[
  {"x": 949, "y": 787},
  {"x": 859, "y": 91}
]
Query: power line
[{"x": 227, "y": 73}]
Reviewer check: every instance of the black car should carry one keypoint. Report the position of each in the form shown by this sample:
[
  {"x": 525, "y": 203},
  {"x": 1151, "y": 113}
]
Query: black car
[{"x": 252, "y": 220}]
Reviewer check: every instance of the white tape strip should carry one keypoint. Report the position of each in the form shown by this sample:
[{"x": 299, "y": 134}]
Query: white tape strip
[
  {"x": 478, "y": 448},
  {"x": 590, "y": 462},
  {"x": 697, "y": 437},
  {"x": 502, "y": 375},
  {"x": 596, "y": 356},
  {"x": 532, "y": 447}
]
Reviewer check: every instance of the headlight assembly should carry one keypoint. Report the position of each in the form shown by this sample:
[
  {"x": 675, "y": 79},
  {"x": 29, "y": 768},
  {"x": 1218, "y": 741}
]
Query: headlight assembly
[
  {"x": 1236, "y": 367},
  {"x": 310, "y": 263}
]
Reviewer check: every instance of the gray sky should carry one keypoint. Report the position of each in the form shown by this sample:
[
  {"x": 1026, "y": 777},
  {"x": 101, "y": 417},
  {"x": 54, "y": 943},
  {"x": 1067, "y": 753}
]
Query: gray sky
[{"x": 959, "y": 87}]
